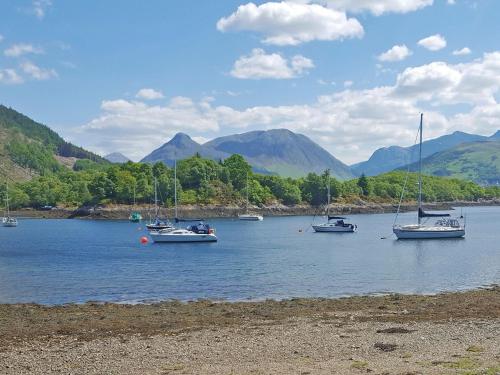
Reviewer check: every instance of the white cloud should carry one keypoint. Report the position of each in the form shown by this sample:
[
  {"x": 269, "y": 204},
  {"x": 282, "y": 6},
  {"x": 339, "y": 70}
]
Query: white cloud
[
  {"x": 290, "y": 23},
  {"x": 348, "y": 83},
  {"x": 259, "y": 65},
  {"x": 17, "y": 50},
  {"x": 39, "y": 7},
  {"x": 396, "y": 53},
  {"x": 451, "y": 2},
  {"x": 462, "y": 52},
  {"x": 351, "y": 123},
  {"x": 433, "y": 42},
  {"x": 1, "y": 38},
  {"x": 36, "y": 72},
  {"x": 149, "y": 94},
  {"x": 10, "y": 76},
  {"x": 379, "y": 7}
]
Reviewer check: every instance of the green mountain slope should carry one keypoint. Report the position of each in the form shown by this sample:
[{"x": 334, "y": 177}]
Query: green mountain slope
[
  {"x": 475, "y": 161},
  {"x": 28, "y": 148},
  {"x": 389, "y": 158}
]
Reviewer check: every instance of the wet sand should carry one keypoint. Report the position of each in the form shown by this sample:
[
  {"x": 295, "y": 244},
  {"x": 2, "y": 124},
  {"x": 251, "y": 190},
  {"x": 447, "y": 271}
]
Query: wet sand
[{"x": 453, "y": 333}]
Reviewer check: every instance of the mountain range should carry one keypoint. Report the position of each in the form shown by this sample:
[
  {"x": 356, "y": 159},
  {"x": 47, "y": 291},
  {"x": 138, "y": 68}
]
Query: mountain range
[
  {"x": 389, "y": 158},
  {"x": 28, "y": 148},
  {"x": 277, "y": 151}
]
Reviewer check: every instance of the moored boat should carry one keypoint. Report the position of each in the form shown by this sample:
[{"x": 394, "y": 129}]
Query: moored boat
[
  {"x": 334, "y": 224},
  {"x": 443, "y": 228},
  {"x": 199, "y": 232},
  {"x": 7, "y": 220},
  {"x": 247, "y": 216}
]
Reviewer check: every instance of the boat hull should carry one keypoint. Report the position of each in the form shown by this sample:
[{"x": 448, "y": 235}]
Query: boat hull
[
  {"x": 422, "y": 234},
  {"x": 333, "y": 229},
  {"x": 250, "y": 217},
  {"x": 8, "y": 222},
  {"x": 180, "y": 238}
]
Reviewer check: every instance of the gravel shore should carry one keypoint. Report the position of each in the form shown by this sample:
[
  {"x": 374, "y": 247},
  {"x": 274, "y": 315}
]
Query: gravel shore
[{"x": 453, "y": 333}]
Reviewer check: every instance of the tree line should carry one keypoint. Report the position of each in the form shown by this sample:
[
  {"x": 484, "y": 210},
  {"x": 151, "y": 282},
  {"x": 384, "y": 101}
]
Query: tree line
[{"x": 204, "y": 181}]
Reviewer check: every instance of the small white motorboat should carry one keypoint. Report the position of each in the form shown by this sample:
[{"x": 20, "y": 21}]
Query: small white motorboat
[{"x": 193, "y": 233}]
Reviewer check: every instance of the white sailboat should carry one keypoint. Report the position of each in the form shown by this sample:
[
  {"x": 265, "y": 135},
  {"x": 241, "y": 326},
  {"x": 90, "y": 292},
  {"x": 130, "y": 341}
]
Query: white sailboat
[
  {"x": 249, "y": 216},
  {"x": 199, "y": 232},
  {"x": 7, "y": 220},
  {"x": 157, "y": 223},
  {"x": 334, "y": 223},
  {"x": 443, "y": 228}
]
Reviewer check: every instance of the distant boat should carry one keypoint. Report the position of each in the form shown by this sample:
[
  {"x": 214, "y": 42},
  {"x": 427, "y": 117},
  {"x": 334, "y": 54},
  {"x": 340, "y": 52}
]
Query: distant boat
[
  {"x": 199, "y": 232},
  {"x": 249, "y": 216},
  {"x": 443, "y": 228},
  {"x": 334, "y": 224},
  {"x": 158, "y": 224},
  {"x": 135, "y": 216},
  {"x": 7, "y": 220}
]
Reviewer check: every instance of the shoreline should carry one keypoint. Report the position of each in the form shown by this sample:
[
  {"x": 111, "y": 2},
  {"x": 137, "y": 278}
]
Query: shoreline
[
  {"x": 446, "y": 333},
  {"x": 121, "y": 212}
]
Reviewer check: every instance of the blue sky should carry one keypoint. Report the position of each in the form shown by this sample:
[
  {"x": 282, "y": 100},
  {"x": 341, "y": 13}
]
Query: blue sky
[{"x": 210, "y": 68}]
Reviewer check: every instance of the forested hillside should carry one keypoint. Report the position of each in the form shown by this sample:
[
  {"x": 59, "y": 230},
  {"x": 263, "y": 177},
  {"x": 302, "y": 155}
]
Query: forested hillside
[
  {"x": 28, "y": 148},
  {"x": 204, "y": 181}
]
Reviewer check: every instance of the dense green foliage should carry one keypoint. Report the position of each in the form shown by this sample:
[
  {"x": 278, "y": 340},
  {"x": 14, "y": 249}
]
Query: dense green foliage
[
  {"x": 23, "y": 125},
  {"x": 33, "y": 156},
  {"x": 203, "y": 181}
]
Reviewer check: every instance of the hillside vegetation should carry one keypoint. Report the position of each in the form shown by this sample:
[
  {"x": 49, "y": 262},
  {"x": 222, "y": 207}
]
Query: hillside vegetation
[
  {"x": 28, "y": 148},
  {"x": 204, "y": 181},
  {"x": 477, "y": 161}
]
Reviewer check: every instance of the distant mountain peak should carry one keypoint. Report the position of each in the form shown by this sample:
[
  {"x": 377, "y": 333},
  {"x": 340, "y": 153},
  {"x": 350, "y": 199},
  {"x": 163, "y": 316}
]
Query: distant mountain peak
[
  {"x": 181, "y": 139},
  {"x": 278, "y": 151},
  {"x": 496, "y": 135},
  {"x": 116, "y": 157}
]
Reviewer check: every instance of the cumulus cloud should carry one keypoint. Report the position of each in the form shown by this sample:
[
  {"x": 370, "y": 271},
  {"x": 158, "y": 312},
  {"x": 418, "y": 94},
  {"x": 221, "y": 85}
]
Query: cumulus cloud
[
  {"x": 379, "y": 7},
  {"x": 10, "y": 76},
  {"x": 1, "y": 38},
  {"x": 37, "y": 73},
  {"x": 17, "y": 50},
  {"x": 396, "y": 53},
  {"x": 259, "y": 65},
  {"x": 462, "y": 52},
  {"x": 291, "y": 23},
  {"x": 149, "y": 94},
  {"x": 433, "y": 42},
  {"x": 351, "y": 123}
]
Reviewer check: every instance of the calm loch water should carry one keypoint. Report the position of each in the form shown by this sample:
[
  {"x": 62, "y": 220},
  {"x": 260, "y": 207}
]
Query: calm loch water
[{"x": 60, "y": 261}]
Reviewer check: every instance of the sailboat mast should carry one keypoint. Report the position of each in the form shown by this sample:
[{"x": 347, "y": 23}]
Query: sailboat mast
[
  {"x": 156, "y": 198},
  {"x": 7, "y": 199},
  {"x": 420, "y": 169},
  {"x": 328, "y": 197},
  {"x": 246, "y": 207},
  {"x": 175, "y": 187}
]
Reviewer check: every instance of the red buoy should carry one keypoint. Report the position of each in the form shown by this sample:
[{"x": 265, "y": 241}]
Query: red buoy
[{"x": 144, "y": 240}]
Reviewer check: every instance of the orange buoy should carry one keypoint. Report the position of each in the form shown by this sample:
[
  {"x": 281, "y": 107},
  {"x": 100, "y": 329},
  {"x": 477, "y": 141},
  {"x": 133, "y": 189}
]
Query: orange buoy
[{"x": 144, "y": 240}]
